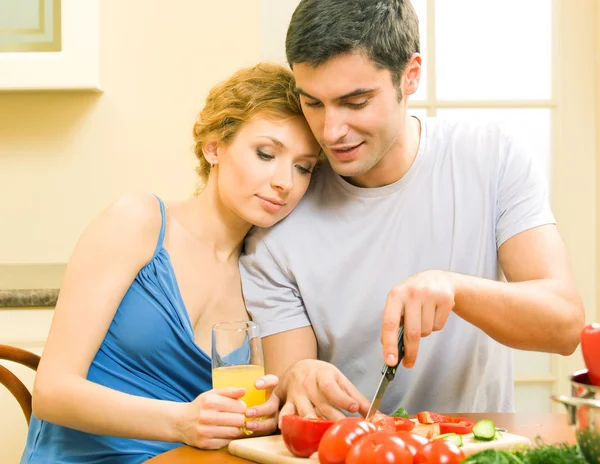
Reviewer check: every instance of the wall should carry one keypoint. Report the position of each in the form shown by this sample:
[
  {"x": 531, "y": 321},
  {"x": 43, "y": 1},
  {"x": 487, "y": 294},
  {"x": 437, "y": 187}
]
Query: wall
[
  {"x": 64, "y": 156},
  {"x": 597, "y": 77}
]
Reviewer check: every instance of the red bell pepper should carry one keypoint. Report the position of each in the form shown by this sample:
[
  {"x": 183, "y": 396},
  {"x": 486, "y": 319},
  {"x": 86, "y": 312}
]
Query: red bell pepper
[
  {"x": 448, "y": 424},
  {"x": 426, "y": 417},
  {"x": 392, "y": 424},
  {"x": 590, "y": 347},
  {"x": 462, "y": 426},
  {"x": 303, "y": 435}
]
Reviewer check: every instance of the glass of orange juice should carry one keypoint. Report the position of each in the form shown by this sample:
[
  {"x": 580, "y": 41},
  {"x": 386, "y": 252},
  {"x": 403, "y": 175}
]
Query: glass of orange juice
[{"x": 237, "y": 359}]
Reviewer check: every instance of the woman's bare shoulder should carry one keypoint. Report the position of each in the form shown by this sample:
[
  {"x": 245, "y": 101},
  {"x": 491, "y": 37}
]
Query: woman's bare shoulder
[{"x": 131, "y": 223}]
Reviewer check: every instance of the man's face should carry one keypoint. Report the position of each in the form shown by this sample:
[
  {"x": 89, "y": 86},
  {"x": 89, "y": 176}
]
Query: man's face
[{"x": 353, "y": 110}]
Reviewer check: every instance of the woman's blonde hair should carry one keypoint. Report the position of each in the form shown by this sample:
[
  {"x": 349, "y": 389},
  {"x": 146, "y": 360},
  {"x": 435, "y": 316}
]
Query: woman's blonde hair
[{"x": 266, "y": 88}]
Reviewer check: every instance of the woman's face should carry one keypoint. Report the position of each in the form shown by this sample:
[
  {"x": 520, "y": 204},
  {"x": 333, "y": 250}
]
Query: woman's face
[{"x": 265, "y": 170}]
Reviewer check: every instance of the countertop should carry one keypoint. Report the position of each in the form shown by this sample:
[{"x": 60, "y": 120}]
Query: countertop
[{"x": 30, "y": 285}]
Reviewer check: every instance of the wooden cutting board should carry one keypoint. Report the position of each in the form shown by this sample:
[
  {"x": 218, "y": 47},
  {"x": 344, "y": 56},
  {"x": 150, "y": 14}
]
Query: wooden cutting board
[{"x": 272, "y": 450}]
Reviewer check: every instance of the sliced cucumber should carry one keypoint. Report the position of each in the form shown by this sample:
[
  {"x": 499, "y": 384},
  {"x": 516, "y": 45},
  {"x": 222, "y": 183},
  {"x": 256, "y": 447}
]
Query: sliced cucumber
[
  {"x": 484, "y": 429},
  {"x": 453, "y": 437},
  {"x": 498, "y": 435},
  {"x": 401, "y": 412}
]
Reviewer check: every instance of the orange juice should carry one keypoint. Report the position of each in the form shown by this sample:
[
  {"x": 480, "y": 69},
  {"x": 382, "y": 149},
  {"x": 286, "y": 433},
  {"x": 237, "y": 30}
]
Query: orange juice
[{"x": 242, "y": 376}]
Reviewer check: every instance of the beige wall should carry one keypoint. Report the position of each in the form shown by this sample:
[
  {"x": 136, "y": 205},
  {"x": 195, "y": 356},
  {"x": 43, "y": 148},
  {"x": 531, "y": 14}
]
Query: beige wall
[
  {"x": 64, "y": 156},
  {"x": 597, "y": 78},
  {"x": 574, "y": 166}
]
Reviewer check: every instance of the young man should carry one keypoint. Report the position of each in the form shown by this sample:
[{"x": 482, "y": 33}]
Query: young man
[{"x": 408, "y": 223}]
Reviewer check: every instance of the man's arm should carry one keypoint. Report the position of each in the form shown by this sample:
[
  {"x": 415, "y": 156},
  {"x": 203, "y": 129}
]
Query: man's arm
[
  {"x": 280, "y": 356},
  {"x": 539, "y": 308},
  {"x": 307, "y": 387}
]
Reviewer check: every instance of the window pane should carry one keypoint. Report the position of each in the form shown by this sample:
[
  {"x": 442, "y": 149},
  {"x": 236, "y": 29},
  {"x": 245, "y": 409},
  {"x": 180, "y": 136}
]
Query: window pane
[
  {"x": 420, "y": 7},
  {"x": 532, "y": 363},
  {"x": 418, "y": 112},
  {"x": 493, "y": 49},
  {"x": 532, "y": 126},
  {"x": 533, "y": 398}
]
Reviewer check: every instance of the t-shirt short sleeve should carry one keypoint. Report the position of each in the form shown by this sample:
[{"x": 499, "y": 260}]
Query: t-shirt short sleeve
[
  {"x": 270, "y": 292},
  {"x": 523, "y": 201}
]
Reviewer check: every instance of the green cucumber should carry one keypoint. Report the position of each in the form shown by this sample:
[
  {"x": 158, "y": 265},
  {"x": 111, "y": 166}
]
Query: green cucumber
[
  {"x": 484, "y": 429},
  {"x": 453, "y": 437},
  {"x": 401, "y": 412}
]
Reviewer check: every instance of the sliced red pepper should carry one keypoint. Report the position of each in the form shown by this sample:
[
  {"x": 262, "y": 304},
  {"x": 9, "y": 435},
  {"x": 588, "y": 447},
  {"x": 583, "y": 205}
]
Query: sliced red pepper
[
  {"x": 392, "y": 424},
  {"x": 462, "y": 427},
  {"x": 427, "y": 417},
  {"x": 403, "y": 424}
]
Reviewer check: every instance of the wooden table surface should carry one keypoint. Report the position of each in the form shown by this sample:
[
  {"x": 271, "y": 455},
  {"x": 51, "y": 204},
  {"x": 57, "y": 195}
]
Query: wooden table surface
[{"x": 552, "y": 428}]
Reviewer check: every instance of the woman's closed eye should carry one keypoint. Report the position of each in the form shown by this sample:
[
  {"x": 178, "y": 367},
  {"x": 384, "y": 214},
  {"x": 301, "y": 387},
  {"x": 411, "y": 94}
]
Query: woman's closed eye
[
  {"x": 264, "y": 156},
  {"x": 305, "y": 169}
]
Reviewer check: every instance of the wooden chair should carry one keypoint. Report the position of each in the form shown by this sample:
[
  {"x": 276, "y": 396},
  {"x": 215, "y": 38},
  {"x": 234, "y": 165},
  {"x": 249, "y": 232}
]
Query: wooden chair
[{"x": 10, "y": 380}]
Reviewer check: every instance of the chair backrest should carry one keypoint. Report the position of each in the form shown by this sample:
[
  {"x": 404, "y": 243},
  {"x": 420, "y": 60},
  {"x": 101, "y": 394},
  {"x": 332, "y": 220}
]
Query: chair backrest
[{"x": 10, "y": 380}]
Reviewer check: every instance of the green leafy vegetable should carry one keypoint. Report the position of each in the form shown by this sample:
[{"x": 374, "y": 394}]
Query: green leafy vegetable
[
  {"x": 541, "y": 454},
  {"x": 492, "y": 456}
]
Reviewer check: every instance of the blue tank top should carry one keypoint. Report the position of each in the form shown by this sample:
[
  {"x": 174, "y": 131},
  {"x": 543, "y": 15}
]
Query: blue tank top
[{"x": 149, "y": 351}]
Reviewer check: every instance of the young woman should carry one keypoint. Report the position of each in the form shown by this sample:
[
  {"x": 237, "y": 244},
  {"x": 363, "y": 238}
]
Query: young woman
[{"x": 126, "y": 373}]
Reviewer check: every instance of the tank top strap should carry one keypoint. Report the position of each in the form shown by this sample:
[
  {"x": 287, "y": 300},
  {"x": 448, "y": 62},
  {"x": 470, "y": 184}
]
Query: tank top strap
[{"x": 163, "y": 226}]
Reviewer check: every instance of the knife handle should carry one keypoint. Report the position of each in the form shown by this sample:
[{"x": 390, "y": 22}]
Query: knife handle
[{"x": 389, "y": 371}]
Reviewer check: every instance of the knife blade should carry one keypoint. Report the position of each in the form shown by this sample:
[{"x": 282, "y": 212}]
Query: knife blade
[{"x": 387, "y": 375}]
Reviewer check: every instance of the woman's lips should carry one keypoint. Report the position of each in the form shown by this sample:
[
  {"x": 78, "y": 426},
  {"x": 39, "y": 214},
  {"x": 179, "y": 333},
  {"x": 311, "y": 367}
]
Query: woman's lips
[{"x": 270, "y": 205}]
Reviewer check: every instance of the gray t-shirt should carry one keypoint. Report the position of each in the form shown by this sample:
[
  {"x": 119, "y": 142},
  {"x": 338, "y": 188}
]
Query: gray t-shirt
[{"x": 332, "y": 262}]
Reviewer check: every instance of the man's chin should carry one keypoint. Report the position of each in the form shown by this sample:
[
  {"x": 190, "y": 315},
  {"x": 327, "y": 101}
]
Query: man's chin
[{"x": 349, "y": 170}]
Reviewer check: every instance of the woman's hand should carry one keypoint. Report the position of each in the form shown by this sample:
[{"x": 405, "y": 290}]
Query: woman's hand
[
  {"x": 218, "y": 416},
  {"x": 213, "y": 419}
]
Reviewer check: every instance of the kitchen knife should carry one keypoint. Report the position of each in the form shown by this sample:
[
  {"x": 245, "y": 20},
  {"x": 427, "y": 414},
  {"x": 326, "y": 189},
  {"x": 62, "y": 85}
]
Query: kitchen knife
[{"x": 387, "y": 374}]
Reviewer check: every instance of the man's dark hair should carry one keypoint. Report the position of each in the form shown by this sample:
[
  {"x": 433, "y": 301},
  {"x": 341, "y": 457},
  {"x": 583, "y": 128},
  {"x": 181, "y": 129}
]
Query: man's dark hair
[{"x": 387, "y": 31}]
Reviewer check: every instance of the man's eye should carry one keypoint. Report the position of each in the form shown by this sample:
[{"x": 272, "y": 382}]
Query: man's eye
[
  {"x": 313, "y": 104},
  {"x": 263, "y": 155},
  {"x": 357, "y": 106}
]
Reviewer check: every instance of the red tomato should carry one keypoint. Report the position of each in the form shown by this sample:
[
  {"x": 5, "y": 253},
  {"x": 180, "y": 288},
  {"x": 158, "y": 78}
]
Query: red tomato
[
  {"x": 392, "y": 424},
  {"x": 412, "y": 441},
  {"x": 338, "y": 439},
  {"x": 459, "y": 425},
  {"x": 379, "y": 447},
  {"x": 426, "y": 417},
  {"x": 303, "y": 435},
  {"x": 439, "y": 452},
  {"x": 590, "y": 347}
]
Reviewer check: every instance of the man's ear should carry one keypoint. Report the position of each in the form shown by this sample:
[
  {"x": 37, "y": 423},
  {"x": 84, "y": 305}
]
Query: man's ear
[{"x": 412, "y": 74}]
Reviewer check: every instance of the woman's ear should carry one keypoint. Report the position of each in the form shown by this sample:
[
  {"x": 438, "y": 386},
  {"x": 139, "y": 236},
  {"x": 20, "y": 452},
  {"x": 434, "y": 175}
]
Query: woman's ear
[{"x": 210, "y": 151}]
